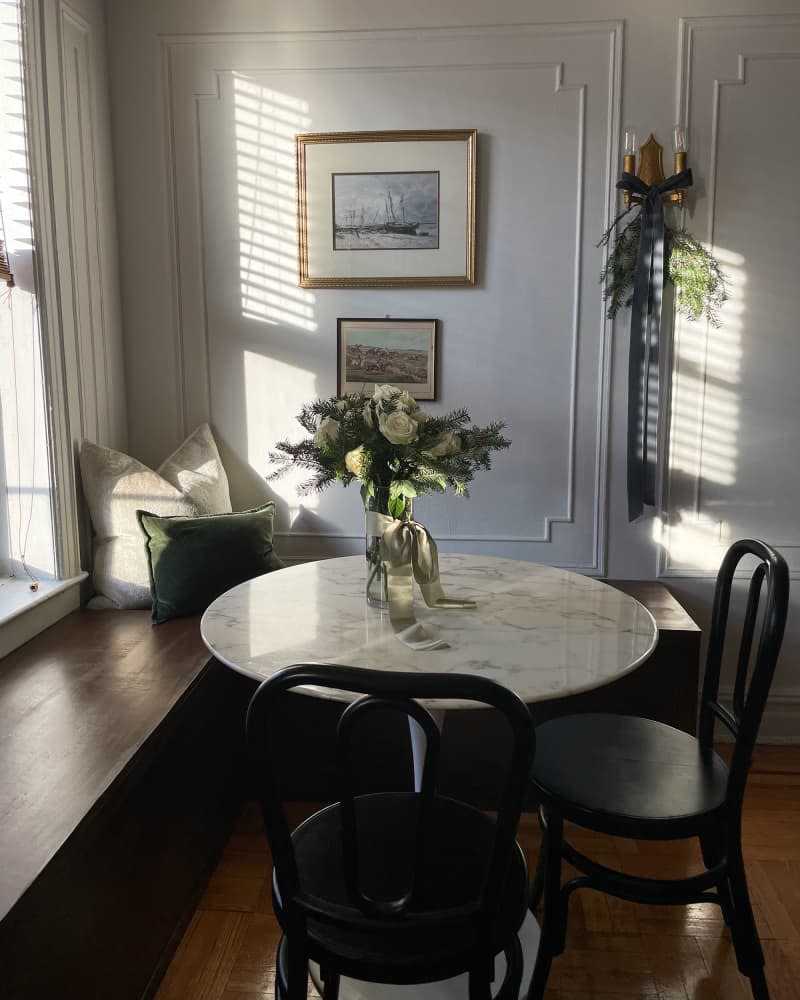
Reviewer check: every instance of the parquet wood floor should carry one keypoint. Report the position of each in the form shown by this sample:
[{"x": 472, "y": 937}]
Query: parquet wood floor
[{"x": 614, "y": 949}]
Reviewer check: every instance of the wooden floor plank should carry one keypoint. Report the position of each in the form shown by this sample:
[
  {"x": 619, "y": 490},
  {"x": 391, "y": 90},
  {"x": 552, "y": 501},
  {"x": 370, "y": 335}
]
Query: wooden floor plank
[
  {"x": 721, "y": 964},
  {"x": 205, "y": 957},
  {"x": 254, "y": 965}
]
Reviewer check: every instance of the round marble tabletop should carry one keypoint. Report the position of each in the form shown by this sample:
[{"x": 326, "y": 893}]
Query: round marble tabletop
[{"x": 542, "y": 632}]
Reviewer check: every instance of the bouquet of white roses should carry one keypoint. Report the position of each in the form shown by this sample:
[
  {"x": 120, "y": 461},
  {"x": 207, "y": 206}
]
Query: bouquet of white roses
[{"x": 387, "y": 442}]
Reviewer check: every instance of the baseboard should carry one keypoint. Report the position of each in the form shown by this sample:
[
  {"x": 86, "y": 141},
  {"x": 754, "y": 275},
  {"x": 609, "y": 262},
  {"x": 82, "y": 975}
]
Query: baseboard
[{"x": 781, "y": 722}]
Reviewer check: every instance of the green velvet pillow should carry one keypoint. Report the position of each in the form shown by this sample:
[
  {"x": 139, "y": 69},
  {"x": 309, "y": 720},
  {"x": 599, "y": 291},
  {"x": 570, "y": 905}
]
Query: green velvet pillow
[{"x": 192, "y": 560}]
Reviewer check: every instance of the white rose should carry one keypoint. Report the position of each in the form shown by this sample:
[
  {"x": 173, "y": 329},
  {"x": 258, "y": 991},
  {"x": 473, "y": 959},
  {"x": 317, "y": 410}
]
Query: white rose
[
  {"x": 384, "y": 392},
  {"x": 354, "y": 460},
  {"x": 327, "y": 432},
  {"x": 407, "y": 401},
  {"x": 397, "y": 427},
  {"x": 448, "y": 444}
]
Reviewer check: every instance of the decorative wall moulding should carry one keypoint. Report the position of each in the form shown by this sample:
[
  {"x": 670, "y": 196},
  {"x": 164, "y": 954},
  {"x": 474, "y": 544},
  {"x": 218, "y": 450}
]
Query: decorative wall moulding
[{"x": 384, "y": 209}]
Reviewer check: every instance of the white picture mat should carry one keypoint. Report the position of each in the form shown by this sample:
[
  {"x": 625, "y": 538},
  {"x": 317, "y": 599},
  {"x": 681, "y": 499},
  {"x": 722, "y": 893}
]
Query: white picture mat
[{"x": 449, "y": 157}]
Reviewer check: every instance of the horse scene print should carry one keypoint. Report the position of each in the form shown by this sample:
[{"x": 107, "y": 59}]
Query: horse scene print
[
  {"x": 386, "y": 211},
  {"x": 399, "y": 352}
]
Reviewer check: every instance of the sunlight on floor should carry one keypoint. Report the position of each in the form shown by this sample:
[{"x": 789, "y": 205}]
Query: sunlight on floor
[{"x": 266, "y": 123}]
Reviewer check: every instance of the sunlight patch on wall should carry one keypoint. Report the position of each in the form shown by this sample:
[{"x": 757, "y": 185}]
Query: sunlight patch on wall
[
  {"x": 708, "y": 361},
  {"x": 266, "y": 123},
  {"x": 705, "y": 421},
  {"x": 692, "y": 543},
  {"x": 272, "y": 390}
]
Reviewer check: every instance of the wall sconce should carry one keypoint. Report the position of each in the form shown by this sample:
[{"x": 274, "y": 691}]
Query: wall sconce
[
  {"x": 649, "y": 189},
  {"x": 651, "y": 163}
]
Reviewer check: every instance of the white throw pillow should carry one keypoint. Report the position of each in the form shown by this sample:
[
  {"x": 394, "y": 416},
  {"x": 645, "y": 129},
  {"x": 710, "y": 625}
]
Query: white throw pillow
[{"x": 191, "y": 481}]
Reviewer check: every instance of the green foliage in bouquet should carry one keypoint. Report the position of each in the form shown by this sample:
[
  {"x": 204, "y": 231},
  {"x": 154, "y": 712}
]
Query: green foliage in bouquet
[
  {"x": 388, "y": 443},
  {"x": 695, "y": 273}
]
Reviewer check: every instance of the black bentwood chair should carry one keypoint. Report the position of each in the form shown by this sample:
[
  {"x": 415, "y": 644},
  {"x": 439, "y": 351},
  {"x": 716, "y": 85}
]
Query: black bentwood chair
[
  {"x": 633, "y": 777},
  {"x": 395, "y": 887}
]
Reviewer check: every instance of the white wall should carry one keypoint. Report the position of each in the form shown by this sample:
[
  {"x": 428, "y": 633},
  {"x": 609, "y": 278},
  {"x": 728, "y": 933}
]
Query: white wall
[{"x": 547, "y": 87}]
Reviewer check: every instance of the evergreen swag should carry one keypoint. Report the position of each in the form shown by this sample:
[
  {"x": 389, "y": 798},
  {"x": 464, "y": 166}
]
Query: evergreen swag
[
  {"x": 695, "y": 273},
  {"x": 388, "y": 443}
]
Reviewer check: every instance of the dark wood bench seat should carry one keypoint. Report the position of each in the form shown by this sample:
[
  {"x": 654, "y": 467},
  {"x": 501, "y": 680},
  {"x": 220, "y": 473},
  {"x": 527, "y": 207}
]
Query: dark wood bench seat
[{"x": 121, "y": 773}]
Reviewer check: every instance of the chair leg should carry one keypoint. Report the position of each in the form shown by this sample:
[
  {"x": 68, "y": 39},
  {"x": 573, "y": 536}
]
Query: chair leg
[
  {"x": 512, "y": 981},
  {"x": 749, "y": 956},
  {"x": 330, "y": 984},
  {"x": 480, "y": 985},
  {"x": 554, "y": 916},
  {"x": 712, "y": 846},
  {"x": 297, "y": 968},
  {"x": 280, "y": 969},
  {"x": 758, "y": 984},
  {"x": 537, "y": 886}
]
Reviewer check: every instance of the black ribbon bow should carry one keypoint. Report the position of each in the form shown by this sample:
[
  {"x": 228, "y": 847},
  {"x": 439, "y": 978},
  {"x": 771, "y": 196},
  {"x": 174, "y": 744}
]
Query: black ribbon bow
[{"x": 643, "y": 362}]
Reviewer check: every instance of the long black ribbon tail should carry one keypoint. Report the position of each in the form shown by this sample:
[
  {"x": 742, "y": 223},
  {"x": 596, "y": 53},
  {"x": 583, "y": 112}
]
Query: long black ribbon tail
[{"x": 643, "y": 358}]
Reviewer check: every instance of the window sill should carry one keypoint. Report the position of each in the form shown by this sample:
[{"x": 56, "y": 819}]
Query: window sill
[{"x": 25, "y": 613}]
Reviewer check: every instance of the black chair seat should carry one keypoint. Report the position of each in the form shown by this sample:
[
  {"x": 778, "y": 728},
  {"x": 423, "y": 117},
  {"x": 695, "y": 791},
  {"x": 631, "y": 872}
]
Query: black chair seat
[
  {"x": 457, "y": 835},
  {"x": 619, "y": 773}
]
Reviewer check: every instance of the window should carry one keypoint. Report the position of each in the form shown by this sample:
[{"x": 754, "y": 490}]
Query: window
[{"x": 29, "y": 563}]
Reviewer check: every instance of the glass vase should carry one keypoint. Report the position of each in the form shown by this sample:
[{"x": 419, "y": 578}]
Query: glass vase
[{"x": 377, "y": 574}]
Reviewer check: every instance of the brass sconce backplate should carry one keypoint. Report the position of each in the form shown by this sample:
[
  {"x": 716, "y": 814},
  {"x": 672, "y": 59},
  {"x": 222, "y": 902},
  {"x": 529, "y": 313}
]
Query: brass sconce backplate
[
  {"x": 651, "y": 162},
  {"x": 651, "y": 169}
]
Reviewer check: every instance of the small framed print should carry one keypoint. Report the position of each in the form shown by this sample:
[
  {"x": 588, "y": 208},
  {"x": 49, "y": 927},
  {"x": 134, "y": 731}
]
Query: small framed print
[
  {"x": 400, "y": 352},
  {"x": 386, "y": 209}
]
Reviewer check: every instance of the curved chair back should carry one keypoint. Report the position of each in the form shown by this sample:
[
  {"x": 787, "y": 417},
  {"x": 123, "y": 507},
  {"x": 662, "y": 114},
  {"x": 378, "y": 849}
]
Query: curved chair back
[
  {"x": 754, "y": 670},
  {"x": 381, "y": 690}
]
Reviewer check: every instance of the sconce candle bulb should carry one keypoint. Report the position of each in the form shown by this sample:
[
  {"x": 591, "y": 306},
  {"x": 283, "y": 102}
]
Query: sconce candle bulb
[
  {"x": 679, "y": 148},
  {"x": 629, "y": 156}
]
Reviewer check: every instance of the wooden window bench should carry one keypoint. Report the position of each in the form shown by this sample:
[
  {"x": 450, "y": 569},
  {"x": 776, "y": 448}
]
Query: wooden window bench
[{"x": 121, "y": 775}]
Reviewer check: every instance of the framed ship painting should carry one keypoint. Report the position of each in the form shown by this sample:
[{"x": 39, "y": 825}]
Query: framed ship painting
[
  {"x": 383, "y": 209},
  {"x": 398, "y": 351}
]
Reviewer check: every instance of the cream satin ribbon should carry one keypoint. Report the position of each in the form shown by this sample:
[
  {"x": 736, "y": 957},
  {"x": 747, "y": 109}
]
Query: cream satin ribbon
[{"x": 410, "y": 553}]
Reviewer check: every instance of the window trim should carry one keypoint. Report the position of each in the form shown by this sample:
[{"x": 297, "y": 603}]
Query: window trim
[
  {"x": 23, "y": 614},
  {"x": 48, "y": 190}
]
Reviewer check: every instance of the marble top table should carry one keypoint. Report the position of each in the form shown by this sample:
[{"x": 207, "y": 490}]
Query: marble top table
[{"x": 542, "y": 632}]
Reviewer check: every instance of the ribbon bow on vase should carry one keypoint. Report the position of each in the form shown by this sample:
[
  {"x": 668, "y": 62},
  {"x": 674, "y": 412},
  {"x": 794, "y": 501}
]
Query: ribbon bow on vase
[{"x": 410, "y": 553}]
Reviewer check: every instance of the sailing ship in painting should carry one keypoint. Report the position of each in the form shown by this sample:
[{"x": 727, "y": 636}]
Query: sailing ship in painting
[
  {"x": 382, "y": 211},
  {"x": 393, "y": 220}
]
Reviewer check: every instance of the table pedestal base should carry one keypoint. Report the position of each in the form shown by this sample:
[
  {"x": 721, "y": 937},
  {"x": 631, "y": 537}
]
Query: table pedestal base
[
  {"x": 419, "y": 742},
  {"x": 448, "y": 989}
]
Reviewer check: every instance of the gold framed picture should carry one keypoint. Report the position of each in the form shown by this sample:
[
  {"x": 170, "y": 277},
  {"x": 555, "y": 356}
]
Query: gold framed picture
[
  {"x": 401, "y": 352},
  {"x": 386, "y": 209}
]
